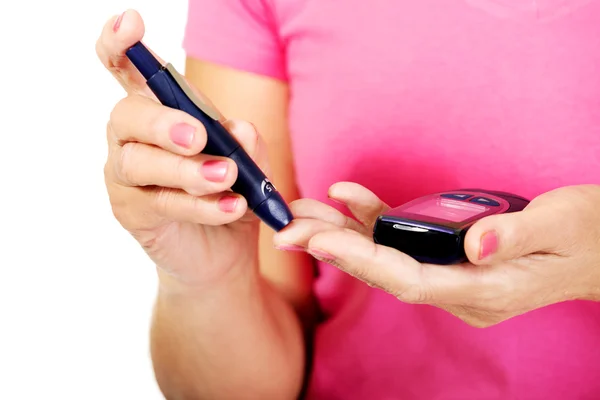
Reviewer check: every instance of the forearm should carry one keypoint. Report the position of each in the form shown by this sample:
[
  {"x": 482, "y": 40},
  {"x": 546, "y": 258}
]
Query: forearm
[{"x": 221, "y": 342}]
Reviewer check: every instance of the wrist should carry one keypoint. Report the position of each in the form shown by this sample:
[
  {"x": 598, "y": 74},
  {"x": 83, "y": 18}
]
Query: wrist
[{"x": 237, "y": 276}]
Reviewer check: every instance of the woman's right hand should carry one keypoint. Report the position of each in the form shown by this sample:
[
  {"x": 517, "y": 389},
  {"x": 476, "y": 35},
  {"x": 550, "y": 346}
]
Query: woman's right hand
[{"x": 173, "y": 200}]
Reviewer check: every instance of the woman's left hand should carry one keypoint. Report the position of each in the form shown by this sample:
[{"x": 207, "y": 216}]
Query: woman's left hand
[{"x": 545, "y": 254}]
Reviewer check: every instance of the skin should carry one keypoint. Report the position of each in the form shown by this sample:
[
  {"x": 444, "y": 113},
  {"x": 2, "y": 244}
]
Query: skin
[
  {"x": 233, "y": 313},
  {"x": 546, "y": 254}
]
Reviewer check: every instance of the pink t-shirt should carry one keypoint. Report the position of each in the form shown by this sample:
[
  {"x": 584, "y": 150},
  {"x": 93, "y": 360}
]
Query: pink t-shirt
[{"x": 409, "y": 97}]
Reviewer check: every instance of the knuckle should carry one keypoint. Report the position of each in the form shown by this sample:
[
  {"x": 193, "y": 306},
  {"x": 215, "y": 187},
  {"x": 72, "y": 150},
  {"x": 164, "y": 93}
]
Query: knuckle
[
  {"x": 414, "y": 294},
  {"x": 110, "y": 164},
  {"x": 180, "y": 167},
  {"x": 163, "y": 199},
  {"x": 509, "y": 232},
  {"x": 120, "y": 204},
  {"x": 126, "y": 164},
  {"x": 197, "y": 211},
  {"x": 413, "y": 290},
  {"x": 127, "y": 107},
  {"x": 111, "y": 137},
  {"x": 155, "y": 243},
  {"x": 181, "y": 171},
  {"x": 169, "y": 203},
  {"x": 107, "y": 170},
  {"x": 109, "y": 131},
  {"x": 118, "y": 110},
  {"x": 119, "y": 212},
  {"x": 156, "y": 121}
]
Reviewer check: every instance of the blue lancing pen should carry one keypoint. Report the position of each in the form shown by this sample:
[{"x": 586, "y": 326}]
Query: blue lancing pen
[{"x": 172, "y": 91}]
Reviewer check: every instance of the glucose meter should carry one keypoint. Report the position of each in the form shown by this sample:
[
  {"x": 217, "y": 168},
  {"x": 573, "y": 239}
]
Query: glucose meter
[{"x": 432, "y": 229}]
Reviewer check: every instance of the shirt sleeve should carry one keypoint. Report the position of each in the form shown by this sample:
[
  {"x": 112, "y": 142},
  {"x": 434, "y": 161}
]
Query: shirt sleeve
[{"x": 240, "y": 34}]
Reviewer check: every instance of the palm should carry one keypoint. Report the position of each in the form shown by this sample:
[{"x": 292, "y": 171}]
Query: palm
[{"x": 194, "y": 250}]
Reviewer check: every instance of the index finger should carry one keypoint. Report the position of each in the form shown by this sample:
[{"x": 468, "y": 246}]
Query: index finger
[
  {"x": 397, "y": 273},
  {"x": 118, "y": 35}
]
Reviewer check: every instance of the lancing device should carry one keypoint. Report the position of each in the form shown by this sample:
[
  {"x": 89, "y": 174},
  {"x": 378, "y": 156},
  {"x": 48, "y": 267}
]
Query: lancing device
[
  {"x": 172, "y": 91},
  {"x": 433, "y": 228}
]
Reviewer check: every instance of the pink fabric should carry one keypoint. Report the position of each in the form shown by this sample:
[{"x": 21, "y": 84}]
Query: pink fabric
[{"x": 411, "y": 97}]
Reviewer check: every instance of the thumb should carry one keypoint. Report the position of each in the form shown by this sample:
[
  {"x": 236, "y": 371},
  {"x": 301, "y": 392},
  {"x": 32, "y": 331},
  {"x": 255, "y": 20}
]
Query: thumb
[
  {"x": 505, "y": 237},
  {"x": 364, "y": 205},
  {"x": 118, "y": 34}
]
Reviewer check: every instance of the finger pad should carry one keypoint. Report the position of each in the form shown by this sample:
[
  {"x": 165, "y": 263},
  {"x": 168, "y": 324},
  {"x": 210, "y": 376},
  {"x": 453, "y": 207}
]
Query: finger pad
[{"x": 131, "y": 30}]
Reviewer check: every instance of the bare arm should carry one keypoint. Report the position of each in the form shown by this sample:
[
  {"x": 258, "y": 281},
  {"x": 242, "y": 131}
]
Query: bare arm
[{"x": 244, "y": 336}]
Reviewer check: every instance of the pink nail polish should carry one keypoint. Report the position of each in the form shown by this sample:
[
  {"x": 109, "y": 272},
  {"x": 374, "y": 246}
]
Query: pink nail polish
[
  {"x": 290, "y": 247},
  {"x": 182, "y": 135},
  {"x": 228, "y": 203},
  {"x": 117, "y": 23},
  {"x": 321, "y": 254},
  {"x": 215, "y": 171},
  {"x": 489, "y": 244}
]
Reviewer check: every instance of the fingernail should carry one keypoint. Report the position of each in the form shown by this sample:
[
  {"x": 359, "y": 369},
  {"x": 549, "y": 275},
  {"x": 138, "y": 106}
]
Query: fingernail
[
  {"x": 182, "y": 135},
  {"x": 321, "y": 254},
  {"x": 489, "y": 244},
  {"x": 290, "y": 247},
  {"x": 215, "y": 171},
  {"x": 117, "y": 23},
  {"x": 228, "y": 203}
]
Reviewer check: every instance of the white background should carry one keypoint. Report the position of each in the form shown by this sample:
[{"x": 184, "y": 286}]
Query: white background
[{"x": 76, "y": 292}]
